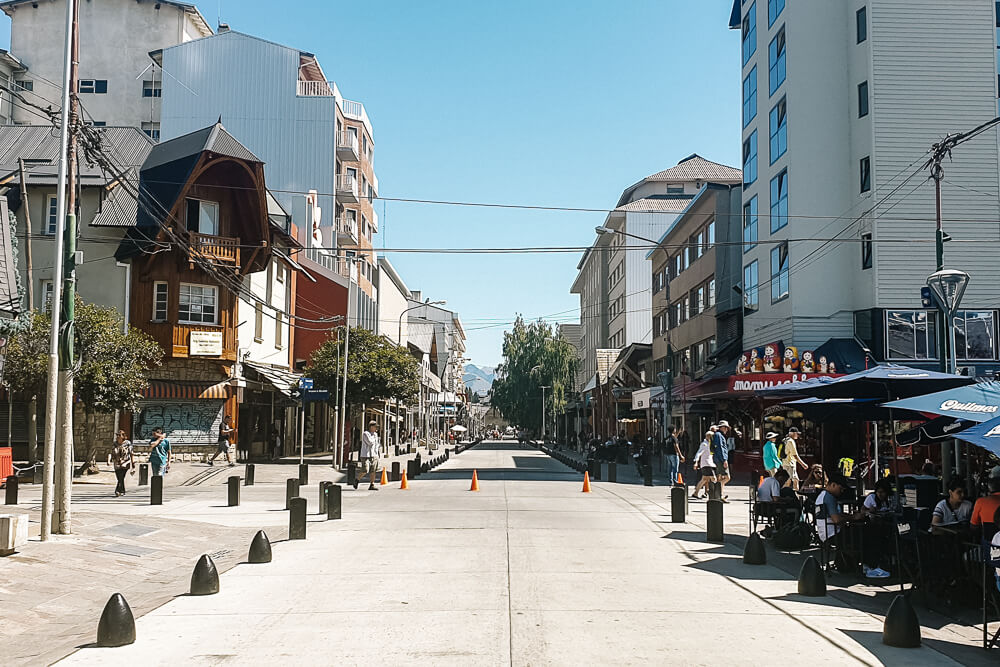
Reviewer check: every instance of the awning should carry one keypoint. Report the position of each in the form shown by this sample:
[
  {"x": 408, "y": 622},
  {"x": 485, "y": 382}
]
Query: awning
[
  {"x": 183, "y": 389},
  {"x": 591, "y": 385},
  {"x": 933, "y": 431},
  {"x": 282, "y": 380}
]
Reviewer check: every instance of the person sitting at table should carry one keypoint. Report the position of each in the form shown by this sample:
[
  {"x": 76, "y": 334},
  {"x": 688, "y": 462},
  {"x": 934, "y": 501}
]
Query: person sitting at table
[
  {"x": 986, "y": 507},
  {"x": 830, "y": 518},
  {"x": 770, "y": 487},
  {"x": 954, "y": 510},
  {"x": 816, "y": 477},
  {"x": 881, "y": 499}
]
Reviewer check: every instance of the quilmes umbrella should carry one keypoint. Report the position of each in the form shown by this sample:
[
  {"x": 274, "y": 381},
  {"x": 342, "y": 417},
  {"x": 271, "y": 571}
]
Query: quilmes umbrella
[
  {"x": 976, "y": 402},
  {"x": 888, "y": 382},
  {"x": 985, "y": 435},
  {"x": 933, "y": 431},
  {"x": 843, "y": 409}
]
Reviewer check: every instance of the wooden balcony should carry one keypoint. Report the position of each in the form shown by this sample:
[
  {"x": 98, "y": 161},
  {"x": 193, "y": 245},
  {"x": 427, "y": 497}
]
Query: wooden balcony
[
  {"x": 224, "y": 249},
  {"x": 175, "y": 338}
]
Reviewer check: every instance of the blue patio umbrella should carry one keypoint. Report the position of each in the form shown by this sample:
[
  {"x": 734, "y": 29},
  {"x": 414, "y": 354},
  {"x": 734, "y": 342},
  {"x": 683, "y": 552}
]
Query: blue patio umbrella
[
  {"x": 887, "y": 382},
  {"x": 933, "y": 431},
  {"x": 844, "y": 409},
  {"x": 985, "y": 435},
  {"x": 976, "y": 402}
]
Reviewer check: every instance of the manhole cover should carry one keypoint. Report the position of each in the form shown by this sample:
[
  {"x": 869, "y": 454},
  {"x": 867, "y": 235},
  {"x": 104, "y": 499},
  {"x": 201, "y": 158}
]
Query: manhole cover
[
  {"x": 129, "y": 530},
  {"x": 128, "y": 549}
]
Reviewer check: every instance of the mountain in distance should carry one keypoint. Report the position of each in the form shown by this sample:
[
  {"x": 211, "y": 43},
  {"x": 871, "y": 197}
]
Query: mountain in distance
[{"x": 479, "y": 379}]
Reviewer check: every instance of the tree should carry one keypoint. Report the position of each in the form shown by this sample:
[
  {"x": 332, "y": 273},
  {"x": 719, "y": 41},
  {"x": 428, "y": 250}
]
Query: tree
[
  {"x": 26, "y": 368},
  {"x": 534, "y": 355}
]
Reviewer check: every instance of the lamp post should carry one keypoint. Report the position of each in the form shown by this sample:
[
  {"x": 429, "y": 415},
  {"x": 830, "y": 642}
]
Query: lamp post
[{"x": 399, "y": 341}]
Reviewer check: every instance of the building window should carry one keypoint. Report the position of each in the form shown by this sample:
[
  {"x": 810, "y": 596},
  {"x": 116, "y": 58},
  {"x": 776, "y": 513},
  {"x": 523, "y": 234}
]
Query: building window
[
  {"x": 27, "y": 85},
  {"x": 911, "y": 334},
  {"x": 778, "y": 124},
  {"x": 160, "y": 301},
  {"x": 779, "y": 272},
  {"x": 774, "y": 8},
  {"x": 975, "y": 334},
  {"x": 279, "y": 330},
  {"x": 51, "y": 216},
  {"x": 711, "y": 293},
  {"x": 675, "y": 189},
  {"x": 710, "y": 236},
  {"x": 152, "y": 89},
  {"x": 862, "y": 99},
  {"x": 779, "y": 201},
  {"x": 749, "y": 33},
  {"x": 776, "y": 61},
  {"x": 151, "y": 130},
  {"x": 47, "y": 288},
  {"x": 750, "y": 97},
  {"x": 866, "y": 250},
  {"x": 750, "y": 300},
  {"x": 865, "y": 173},
  {"x": 258, "y": 321},
  {"x": 203, "y": 217},
  {"x": 862, "y": 24},
  {"x": 197, "y": 304},
  {"x": 696, "y": 244},
  {"x": 750, "y": 224},
  {"x": 98, "y": 86},
  {"x": 750, "y": 159}
]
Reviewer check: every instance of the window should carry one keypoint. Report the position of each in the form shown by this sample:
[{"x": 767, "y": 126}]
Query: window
[
  {"x": 749, "y": 33},
  {"x": 776, "y": 61},
  {"x": 779, "y": 272},
  {"x": 750, "y": 300},
  {"x": 779, "y": 201},
  {"x": 710, "y": 290},
  {"x": 152, "y": 89},
  {"x": 975, "y": 334},
  {"x": 159, "y": 302},
  {"x": 778, "y": 124},
  {"x": 862, "y": 24},
  {"x": 911, "y": 334},
  {"x": 675, "y": 189},
  {"x": 866, "y": 251},
  {"x": 750, "y": 97},
  {"x": 862, "y": 99},
  {"x": 660, "y": 324},
  {"x": 750, "y": 224},
  {"x": 774, "y": 8},
  {"x": 258, "y": 322},
  {"x": 750, "y": 159},
  {"x": 197, "y": 304},
  {"x": 47, "y": 287},
  {"x": 279, "y": 330},
  {"x": 152, "y": 130},
  {"x": 694, "y": 247},
  {"x": 677, "y": 264},
  {"x": 865, "y": 174},
  {"x": 203, "y": 217},
  {"x": 710, "y": 236},
  {"x": 27, "y": 85},
  {"x": 51, "y": 216},
  {"x": 98, "y": 86}
]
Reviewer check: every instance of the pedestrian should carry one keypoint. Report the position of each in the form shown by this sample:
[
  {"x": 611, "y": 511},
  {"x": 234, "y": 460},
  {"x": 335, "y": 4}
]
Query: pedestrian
[
  {"x": 771, "y": 460},
  {"x": 371, "y": 448},
  {"x": 705, "y": 463},
  {"x": 123, "y": 460},
  {"x": 277, "y": 450},
  {"x": 226, "y": 431},
  {"x": 673, "y": 454},
  {"x": 788, "y": 452},
  {"x": 720, "y": 452},
  {"x": 160, "y": 454}
]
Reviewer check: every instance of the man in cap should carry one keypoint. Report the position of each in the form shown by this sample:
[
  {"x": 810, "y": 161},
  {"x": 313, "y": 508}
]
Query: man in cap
[
  {"x": 789, "y": 455},
  {"x": 720, "y": 453},
  {"x": 987, "y": 506},
  {"x": 771, "y": 461},
  {"x": 371, "y": 450},
  {"x": 830, "y": 518}
]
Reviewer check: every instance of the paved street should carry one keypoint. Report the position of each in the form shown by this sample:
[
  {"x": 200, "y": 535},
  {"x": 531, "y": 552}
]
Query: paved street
[{"x": 528, "y": 571}]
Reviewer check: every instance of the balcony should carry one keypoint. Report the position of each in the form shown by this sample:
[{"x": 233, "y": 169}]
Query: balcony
[
  {"x": 217, "y": 249},
  {"x": 330, "y": 262},
  {"x": 347, "y": 230},
  {"x": 347, "y": 146},
  {"x": 316, "y": 89},
  {"x": 347, "y": 189},
  {"x": 174, "y": 337}
]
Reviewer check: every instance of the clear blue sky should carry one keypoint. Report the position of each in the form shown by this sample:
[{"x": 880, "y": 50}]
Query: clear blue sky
[{"x": 521, "y": 102}]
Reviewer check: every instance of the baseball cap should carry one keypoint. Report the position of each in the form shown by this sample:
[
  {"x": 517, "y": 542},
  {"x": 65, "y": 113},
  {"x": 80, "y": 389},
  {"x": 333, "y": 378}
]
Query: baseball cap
[
  {"x": 794, "y": 429},
  {"x": 373, "y": 423},
  {"x": 771, "y": 434}
]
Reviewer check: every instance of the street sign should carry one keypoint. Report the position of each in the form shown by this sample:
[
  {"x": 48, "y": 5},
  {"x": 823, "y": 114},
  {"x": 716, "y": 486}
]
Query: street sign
[
  {"x": 305, "y": 383},
  {"x": 315, "y": 395}
]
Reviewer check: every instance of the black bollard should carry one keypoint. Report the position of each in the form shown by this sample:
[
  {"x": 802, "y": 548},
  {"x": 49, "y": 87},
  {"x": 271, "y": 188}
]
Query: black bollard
[
  {"x": 352, "y": 473},
  {"x": 754, "y": 552},
  {"x": 714, "y": 529},
  {"x": 394, "y": 474},
  {"x": 411, "y": 469},
  {"x": 647, "y": 475},
  {"x": 297, "y": 519},
  {"x": 425, "y": 467},
  {"x": 249, "y": 475},
  {"x": 117, "y": 625},
  {"x": 714, "y": 491},
  {"x": 322, "y": 497},
  {"x": 812, "y": 580},
  {"x": 143, "y": 474},
  {"x": 205, "y": 578},
  {"x": 334, "y": 502},
  {"x": 612, "y": 471},
  {"x": 901, "y": 627},
  {"x": 291, "y": 491},
  {"x": 234, "y": 491},
  {"x": 156, "y": 490},
  {"x": 397, "y": 450},
  {"x": 678, "y": 504},
  {"x": 595, "y": 470},
  {"x": 418, "y": 469},
  {"x": 303, "y": 474},
  {"x": 260, "y": 548},
  {"x": 11, "y": 495}
]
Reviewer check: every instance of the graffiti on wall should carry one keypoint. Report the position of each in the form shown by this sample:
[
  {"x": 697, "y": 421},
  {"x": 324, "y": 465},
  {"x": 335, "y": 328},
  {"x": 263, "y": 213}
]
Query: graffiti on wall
[{"x": 184, "y": 422}]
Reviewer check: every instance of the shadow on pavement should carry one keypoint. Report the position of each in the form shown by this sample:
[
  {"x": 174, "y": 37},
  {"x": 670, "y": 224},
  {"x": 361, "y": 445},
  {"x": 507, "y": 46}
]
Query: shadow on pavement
[
  {"x": 733, "y": 567},
  {"x": 966, "y": 655}
]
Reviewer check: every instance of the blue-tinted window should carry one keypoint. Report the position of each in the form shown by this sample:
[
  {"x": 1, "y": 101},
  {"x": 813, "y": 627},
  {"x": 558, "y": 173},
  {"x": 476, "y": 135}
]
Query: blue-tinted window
[
  {"x": 862, "y": 99},
  {"x": 750, "y": 159},
  {"x": 750, "y": 97},
  {"x": 776, "y": 61},
  {"x": 779, "y": 201},
  {"x": 774, "y": 8},
  {"x": 750, "y": 224},
  {"x": 749, "y": 33},
  {"x": 862, "y": 24},
  {"x": 778, "y": 124},
  {"x": 779, "y": 272},
  {"x": 750, "y": 300}
]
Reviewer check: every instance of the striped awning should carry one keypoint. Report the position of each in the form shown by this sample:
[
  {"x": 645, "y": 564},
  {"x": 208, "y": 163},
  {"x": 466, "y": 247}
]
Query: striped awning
[{"x": 164, "y": 389}]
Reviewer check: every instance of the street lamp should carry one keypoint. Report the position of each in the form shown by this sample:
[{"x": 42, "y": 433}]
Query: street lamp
[
  {"x": 948, "y": 286},
  {"x": 399, "y": 341},
  {"x": 607, "y": 230}
]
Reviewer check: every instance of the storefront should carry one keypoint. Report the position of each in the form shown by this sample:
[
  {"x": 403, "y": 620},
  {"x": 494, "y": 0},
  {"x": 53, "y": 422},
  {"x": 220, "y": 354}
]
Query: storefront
[{"x": 188, "y": 412}]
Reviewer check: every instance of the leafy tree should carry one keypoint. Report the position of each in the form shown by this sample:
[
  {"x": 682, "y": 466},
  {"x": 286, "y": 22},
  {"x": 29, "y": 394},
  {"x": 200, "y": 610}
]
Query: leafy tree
[
  {"x": 534, "y": 355},
  {"x": 26, "y": 368}
]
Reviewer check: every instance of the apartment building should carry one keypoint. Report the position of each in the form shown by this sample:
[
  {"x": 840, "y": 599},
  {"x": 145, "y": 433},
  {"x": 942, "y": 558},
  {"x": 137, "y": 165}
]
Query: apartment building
[
  {"x": 118, "y": 84},
  {"x": 841, "y": 104}
]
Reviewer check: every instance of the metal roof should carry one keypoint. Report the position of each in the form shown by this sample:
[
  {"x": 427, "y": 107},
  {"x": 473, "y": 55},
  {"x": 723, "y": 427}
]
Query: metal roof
[
  {"x": 119, "y": 207},
  {"x": 38, "y": 145},
  {"x": 214, "y": 139}
]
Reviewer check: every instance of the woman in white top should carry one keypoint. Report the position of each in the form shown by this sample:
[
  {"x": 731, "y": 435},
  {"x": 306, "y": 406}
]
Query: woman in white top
[
  {"x": 953, "y": 510},
  {"x": 705, "y": 463}
]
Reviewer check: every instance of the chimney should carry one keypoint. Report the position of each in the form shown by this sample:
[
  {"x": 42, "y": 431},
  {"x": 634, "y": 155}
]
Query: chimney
[
  {"x": 415, "y": 295},
  {"x": 223, "y": 27}
]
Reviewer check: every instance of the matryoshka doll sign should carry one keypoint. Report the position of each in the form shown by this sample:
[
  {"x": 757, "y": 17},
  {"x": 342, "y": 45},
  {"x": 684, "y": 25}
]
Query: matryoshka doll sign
[
  {"x": 790, "y": 361},
  {"x": 771, "y": 358}
]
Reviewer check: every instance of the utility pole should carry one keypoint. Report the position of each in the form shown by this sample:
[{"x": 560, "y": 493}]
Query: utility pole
[
  {"x": 51, "y": 393},
  {"x": 543, "y": 387}
]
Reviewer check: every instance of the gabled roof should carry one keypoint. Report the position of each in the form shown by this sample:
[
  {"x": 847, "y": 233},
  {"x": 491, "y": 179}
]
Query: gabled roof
[
  {"x": 214, "y": 139},
  {"x": 677, "y": 204},
  {"x": 692, "y": 168},
  {"x": 10, "y": 298}
]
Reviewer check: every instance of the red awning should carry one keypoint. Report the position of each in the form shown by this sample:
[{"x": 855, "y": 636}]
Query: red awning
[{"x": 163, "y": 389}]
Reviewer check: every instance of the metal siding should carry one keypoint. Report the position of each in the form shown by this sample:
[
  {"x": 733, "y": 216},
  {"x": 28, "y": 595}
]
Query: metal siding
[{"x": 639, "y": 274}]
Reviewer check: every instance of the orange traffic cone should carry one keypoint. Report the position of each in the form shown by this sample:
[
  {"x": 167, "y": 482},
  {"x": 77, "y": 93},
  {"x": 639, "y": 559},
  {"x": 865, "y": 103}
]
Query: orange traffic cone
[
  {"x": 385, "y": 479},
  {"x": 475, "y": 482},
  {"x": 586, "y": 481},
  {"x": 680, "y": 479},
  {"x": 402, "y": 483}
]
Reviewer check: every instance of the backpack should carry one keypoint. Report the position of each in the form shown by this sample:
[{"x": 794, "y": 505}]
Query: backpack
[
  {"x": 793, "y": 537},
  {"x": 781, "y": 451}
]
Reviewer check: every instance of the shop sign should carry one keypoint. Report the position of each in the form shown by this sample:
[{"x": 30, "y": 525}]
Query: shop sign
[
  {"x": 777, "y": 358},
  {"x": 756, "y": 382},
  {"x": 205, "y": 344}
]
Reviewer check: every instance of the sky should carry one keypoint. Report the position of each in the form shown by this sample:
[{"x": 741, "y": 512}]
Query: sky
[{"x": 544, "y": 103}]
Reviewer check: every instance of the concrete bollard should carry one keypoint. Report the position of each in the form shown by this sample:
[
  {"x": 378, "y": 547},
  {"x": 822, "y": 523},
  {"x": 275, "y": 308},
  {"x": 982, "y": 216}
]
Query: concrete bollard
[
  {"x": 205, "y": 578},
  {"x": 322, "y": 497},
  {"x": 291, "y": 491},
  {"x": 334, "y": 501},
  {"x": 394, "y": 474},
  {"x": 234, "y": 491},
  {"x": 678, "y": 504},
  {"x": 11, "y": 495},
  {"x": 411, "y": 469},
  {"x": 714, "y": 529},
  {"x": 117, "y": 625},
  {"x": 156, "y": 490},
  {"x": 37, "y": 473},
  {"x": 297, "y": 519},
  {"x": 260, "y": 548},
  {"x": 352, "y": 473},
  {"x": 303, "y": 474},
  {"x": 612, "y": 471},
  {"x": 754, "y": 552},
  {"x": 419, "y": 468},
  {"x": 647, "y": 475},
  {"x": 812, "y": 579},
  {"x": 143, "y": 474},
  {"x": 901, "y": 627},
  {"x": 249, "y": 475}
]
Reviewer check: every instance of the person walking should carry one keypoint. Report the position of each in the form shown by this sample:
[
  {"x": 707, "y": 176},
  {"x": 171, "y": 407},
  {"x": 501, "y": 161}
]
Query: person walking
[
  {"x": 277, "y": 449},
  {"x": 720, "y": 452},
  {"x": 371, "y": 449},
  {"x": 160, "y": 454},
  {"x": 789, "y": 455},
  {"x": 705, "y": 463},
  {"x": 771, "y": 460},
  {"x": 673, "y": 454},
  {"x": 123, "y": 461},
  {"x": 226, "y": 431}
]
